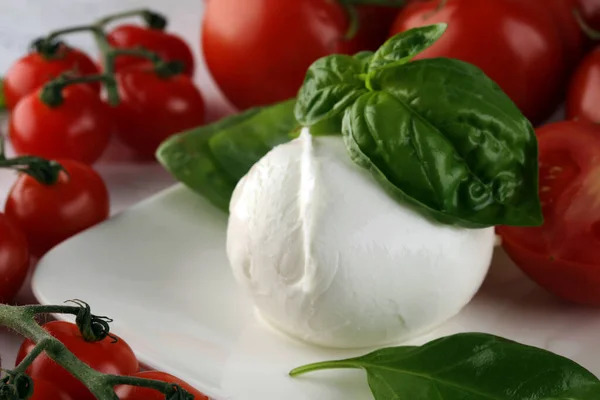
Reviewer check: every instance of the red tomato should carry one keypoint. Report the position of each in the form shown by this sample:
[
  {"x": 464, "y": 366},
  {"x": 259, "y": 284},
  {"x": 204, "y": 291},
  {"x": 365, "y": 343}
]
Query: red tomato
[
  {"x": 43, "y": 390},
  {"x": 14, "y": 259},
  {"x": 104, "y": 356},
  {"x": 562, "y": 255},
  {"x": 374, "y": 24},
  {"x": 50, "y": 214},
  {"x": 32, "y": 71},
  {"x": 583, "y": 99},
  {"x": 78, "y": 129},
  {"x": 167, "y": 45},
  {"x": 513, "y": 42},
  {"x": 153, "y": 108},
  {"x": 258, "y": 51},
  {"x": 572, "y": 35},
  {"x": 138, "y": 393}
]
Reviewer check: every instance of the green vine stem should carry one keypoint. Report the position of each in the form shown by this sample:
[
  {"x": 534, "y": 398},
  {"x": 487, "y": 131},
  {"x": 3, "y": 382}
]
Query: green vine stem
[
  {"x": 44, "y": 171},
  {"x": 584, "y": 26},
  {"x": 21, "y": 319}
]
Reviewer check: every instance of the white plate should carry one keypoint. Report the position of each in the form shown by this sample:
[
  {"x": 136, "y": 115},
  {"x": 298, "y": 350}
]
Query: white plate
[{"x": 160, "y": 270}]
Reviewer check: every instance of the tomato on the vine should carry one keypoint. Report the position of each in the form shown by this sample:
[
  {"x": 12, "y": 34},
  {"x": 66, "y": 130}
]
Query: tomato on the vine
[
  {"x": 512, "y": 41},
  {"x": 154, "y": 107},
  {"x": 49, "y": 214},
  {"x": 44, "y": 390},
  {"x": 168, "y": 46},
  {"x": 583, "y": 99},
  {"x": 30, "y": 72},
  {"x": 258, "y": 51},
  {"x": 562, "y": 255},
  {"x": 126, "y": 392},
  {"x": 14, "y": 258},
  {"x": 106, "y": 356},
  {"x": 78, "y": 128}
]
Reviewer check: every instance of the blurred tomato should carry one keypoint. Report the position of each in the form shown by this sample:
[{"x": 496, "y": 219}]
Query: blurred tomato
[
  {"x": 258, "y": 51},
  {"x": 513, "y": 42},
  {"x": 583, "y": 100}
]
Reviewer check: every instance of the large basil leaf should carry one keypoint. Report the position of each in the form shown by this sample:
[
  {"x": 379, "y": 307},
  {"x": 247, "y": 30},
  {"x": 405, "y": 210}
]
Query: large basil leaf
[
  {"x": 211, "y": 159},
  {"x": 462, "y": 152},
  {"x": 331, "y": 84},
  {"x": 403, "y": 48},
  {"x": 467, "y": 366}
]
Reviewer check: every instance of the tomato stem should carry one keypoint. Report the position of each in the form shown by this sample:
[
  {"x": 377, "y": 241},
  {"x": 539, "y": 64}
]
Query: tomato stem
[
  {"x": 44, "y": 171},
  {"x": 583, "y": 25},
  {"x": 152, "y": 19},
  {"x": 16, "y": 385}
]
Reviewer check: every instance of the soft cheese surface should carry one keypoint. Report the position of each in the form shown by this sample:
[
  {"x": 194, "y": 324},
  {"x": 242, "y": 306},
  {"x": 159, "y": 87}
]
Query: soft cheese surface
[{"x": 330, "y": 258}]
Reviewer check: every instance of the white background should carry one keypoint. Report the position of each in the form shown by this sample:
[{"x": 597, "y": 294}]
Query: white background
[{"x": 128, "y": 181}]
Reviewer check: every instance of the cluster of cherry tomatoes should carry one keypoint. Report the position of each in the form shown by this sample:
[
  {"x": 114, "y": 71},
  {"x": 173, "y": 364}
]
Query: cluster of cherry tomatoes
[
  {"x": 112, "y": 355},
  {"x": 42, "y": 211},
  {"x": 152, "y": 105}
]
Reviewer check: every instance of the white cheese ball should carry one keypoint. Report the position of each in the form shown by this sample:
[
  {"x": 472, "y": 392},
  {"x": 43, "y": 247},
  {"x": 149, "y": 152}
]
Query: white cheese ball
[{"x": 330, "y": 258}]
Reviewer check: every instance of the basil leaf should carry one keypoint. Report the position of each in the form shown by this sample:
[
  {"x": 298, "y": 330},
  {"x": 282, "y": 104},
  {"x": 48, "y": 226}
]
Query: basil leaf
[
  {"x": 331, "y": 84},
  {"x": 402, "y": 48},
  {"x": 591, "y": 392},
  {"x": 462, "y": 152},
  {"x": 238, "y": 148},
  {"x": 211, "y": 159},
  {"x": 466, "y": 366}
]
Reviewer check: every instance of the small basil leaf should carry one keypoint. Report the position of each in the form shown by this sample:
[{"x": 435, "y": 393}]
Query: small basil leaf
[
  {"x": 402, "y": 47},
  {"x": 331, "y": 84},
  {"x": 466, "y": 366},
  {"x": 462, "y": 152},
  {"x": 211, "y": 159}
]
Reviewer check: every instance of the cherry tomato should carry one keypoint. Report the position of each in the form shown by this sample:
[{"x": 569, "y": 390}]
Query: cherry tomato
[
  {"x": 27, "y": 74},
  {"x": 14, "y": 259},
  {"x": 43, "y": 390},
  {"x": 80, "y": 128},
  {"x": 168, "y": 46},
  {"x": 258, "y": 51},
  {"x": 153, "y": 108},
  {"x": 105, "y": 356},
  {"x": 138, "y": 393},
  {"x": 583, "y": 99},
  {"x": 50, "y": 214},
  {"x": 562, "y": 255},
  {"x": 513, "y": 42}
]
